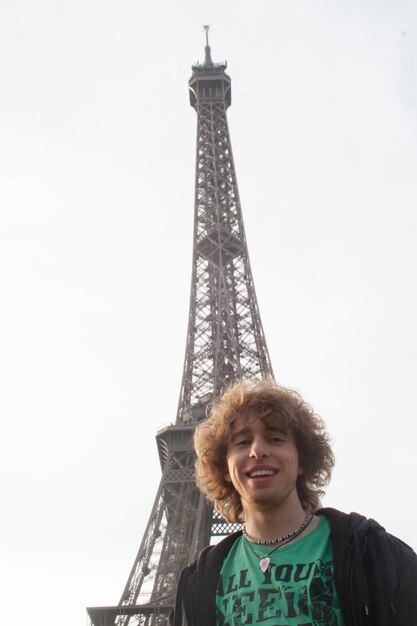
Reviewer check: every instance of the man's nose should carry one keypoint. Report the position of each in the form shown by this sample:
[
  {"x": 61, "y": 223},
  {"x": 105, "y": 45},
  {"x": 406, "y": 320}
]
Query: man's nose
[{"x": 258, "y": 449}]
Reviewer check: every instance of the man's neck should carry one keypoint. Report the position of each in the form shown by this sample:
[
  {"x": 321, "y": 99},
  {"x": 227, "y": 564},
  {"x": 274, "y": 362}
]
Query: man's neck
[{"x": 265, "y": 524}]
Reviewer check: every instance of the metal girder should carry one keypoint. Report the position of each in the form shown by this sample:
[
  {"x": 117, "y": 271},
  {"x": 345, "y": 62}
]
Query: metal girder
[{"x": 225, "y": 338}]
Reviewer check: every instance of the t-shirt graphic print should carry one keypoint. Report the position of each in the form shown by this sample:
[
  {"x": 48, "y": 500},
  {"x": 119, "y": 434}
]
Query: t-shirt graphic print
[{"x": 297, "y": 588}]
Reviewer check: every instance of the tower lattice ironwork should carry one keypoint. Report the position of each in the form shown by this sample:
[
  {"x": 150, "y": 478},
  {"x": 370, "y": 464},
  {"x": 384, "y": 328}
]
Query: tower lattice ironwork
[{"x": 225, "y": 341}]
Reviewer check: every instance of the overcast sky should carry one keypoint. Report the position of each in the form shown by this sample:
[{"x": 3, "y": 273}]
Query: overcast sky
[{"x": 97, "y": 153}]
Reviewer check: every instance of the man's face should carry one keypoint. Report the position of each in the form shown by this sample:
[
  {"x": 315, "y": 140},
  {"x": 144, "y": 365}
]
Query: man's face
[{"x": 263, "y": 464}]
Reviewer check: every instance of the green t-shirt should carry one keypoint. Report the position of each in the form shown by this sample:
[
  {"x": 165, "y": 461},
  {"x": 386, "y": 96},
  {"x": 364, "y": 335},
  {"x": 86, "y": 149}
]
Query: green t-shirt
[{"x": 297, "y": 588}]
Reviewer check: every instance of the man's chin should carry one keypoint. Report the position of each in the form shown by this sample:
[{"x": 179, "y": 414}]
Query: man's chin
[{"x": 267, "y": 502}]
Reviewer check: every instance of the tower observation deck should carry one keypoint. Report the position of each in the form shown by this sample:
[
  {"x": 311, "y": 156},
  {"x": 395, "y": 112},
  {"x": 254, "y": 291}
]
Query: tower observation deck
[{"x": 225, "y": 342}]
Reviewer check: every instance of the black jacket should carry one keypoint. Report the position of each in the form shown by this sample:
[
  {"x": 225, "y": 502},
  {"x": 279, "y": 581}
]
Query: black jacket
[{"x": 375, "y": 576}]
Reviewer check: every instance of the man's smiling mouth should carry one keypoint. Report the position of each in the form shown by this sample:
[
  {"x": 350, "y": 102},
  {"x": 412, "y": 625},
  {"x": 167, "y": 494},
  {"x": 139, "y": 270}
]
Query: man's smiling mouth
[{"x": 261, "y": 472}]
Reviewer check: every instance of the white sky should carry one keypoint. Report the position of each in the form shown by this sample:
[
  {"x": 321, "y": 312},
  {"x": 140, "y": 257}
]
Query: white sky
[{"x": 97, "y": 164}]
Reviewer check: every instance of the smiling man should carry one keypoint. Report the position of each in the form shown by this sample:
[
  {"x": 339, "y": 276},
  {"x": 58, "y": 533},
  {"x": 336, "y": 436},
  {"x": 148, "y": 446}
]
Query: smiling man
[
  {"x": 263, "y": 457},
  {"x": 263, "y": 467}
]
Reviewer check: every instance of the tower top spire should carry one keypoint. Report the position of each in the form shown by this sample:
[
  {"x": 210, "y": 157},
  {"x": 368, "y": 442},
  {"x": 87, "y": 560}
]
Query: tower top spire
[
  {"x": 208, "y": 60},
  {"x": 208, "y": 67}
]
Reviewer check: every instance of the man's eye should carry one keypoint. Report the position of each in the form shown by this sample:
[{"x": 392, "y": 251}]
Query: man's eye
[{"x": 242, "y": 442}]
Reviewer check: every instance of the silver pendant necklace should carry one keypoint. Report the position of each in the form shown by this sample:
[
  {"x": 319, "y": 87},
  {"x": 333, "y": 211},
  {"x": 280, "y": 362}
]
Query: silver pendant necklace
[{"x": 265, "y": 558}]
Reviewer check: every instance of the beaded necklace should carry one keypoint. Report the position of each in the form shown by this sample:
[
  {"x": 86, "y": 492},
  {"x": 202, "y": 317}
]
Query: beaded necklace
[{"x": 265, "y": 558}]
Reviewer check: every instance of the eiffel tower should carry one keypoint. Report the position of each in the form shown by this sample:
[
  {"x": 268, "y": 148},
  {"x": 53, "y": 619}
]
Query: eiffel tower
[{"x": 225, "y": 341}]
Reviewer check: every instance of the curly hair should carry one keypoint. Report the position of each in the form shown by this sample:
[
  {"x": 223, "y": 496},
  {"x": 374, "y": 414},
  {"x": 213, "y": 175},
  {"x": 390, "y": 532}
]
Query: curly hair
[{"x": 272, "y": 404}]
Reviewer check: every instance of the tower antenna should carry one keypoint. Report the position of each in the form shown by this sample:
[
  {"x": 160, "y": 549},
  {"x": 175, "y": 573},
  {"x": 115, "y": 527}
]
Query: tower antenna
[
  {"x": 206, "y": 27},
  {"x": 208, "y": 60}
]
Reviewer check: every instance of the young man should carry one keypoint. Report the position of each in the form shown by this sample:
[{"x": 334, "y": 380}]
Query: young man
[{"x": 263, "y": 457}]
